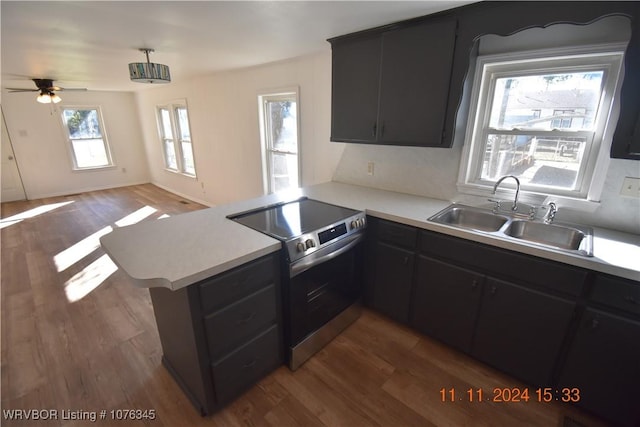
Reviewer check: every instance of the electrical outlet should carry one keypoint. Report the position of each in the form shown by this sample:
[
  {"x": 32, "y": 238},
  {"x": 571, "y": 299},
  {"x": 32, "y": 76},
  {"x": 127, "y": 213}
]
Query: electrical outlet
[
  {"x": 370, "y": 167},
  {"x": 630, "y": 187}
]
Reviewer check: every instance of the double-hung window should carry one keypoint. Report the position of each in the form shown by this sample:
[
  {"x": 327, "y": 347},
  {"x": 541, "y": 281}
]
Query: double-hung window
[
  {"x": 85, "y": 131},
  {"x": 175, "y": 134},
  {"x": 540, "y": 116},
  {"x": 279, "y": 133}
]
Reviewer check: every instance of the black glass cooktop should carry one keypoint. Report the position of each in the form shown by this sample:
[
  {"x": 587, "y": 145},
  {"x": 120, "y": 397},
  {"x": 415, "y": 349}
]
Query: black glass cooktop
[{"x": 288, "y": 220}]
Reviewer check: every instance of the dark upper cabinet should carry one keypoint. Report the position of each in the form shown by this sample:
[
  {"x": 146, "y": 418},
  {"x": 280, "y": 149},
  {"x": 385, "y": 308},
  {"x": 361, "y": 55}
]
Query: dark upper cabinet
[
  {"x": 391, "y": 87},
  {"x": 414, "y": 83},
  {"x": 354, "y": 89}
]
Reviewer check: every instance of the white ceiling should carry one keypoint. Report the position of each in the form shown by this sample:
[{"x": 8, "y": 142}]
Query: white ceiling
[{"x": 89, "y": 43}]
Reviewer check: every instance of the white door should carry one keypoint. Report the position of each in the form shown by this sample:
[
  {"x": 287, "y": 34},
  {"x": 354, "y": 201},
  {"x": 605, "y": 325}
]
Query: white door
[{"x": 12, "y": 188}]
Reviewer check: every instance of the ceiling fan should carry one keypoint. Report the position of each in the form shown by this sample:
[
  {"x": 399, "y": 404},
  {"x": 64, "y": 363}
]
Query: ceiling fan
[{"x": 47, "y": 91}]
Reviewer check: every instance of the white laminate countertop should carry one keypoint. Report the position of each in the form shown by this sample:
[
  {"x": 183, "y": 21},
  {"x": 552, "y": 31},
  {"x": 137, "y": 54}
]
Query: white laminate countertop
[{"x": 177, "y": 251}]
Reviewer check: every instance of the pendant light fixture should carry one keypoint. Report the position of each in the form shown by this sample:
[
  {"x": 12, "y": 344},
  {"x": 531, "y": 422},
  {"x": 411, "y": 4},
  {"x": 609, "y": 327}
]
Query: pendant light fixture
[{"x": 149, "y": 72}]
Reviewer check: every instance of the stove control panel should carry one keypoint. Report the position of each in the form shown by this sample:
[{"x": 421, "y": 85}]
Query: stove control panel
[{"x": 308, "y": 243}]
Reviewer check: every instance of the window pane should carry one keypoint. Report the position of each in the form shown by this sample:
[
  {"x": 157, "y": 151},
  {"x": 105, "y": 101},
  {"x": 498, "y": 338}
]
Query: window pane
[
  {"x": 183, "y": 123},
  {"x": 547, "y": 101},
  {"x": 165, "y": 123},
  {"x": 543, "y": 161},
  {"x": 89, "y": 153},
  {"x": 82, "y": 123},
  {"x": 170, "y": 154},
  {"x": 283, "y": 125},
  {"x": 284, "y": 171},
  {"x": 187, "y": 155}
]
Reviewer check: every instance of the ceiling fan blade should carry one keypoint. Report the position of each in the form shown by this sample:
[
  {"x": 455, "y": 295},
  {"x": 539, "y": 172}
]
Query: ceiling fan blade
[
  {"x": 67, "y": 89},
  {"x": 17, "y": 89}
]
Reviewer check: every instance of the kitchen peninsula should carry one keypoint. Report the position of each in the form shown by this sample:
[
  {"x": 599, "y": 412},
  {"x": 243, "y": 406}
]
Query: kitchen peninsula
[{"x": 190, "y": 257}]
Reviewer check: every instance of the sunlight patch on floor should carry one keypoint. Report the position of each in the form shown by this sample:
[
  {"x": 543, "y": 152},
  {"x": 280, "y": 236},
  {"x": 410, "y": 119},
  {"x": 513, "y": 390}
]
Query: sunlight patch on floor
[
  {"x": 136, "y": 216},
  {"x": 14, "y": 219},
  {"x": 84, "y": 247},
  {"x": 89, "y": 278}
]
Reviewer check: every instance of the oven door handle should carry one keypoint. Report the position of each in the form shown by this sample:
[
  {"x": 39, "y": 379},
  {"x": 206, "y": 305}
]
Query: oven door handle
[{"x": 319, "y": 256}]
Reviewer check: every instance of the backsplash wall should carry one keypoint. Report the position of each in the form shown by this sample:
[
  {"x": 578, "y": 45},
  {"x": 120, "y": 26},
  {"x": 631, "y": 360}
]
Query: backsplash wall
[{"x": 432, "y": 172}]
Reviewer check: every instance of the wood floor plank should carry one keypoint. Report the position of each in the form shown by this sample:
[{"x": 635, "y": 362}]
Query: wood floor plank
[{"x": 102, "y": 351}]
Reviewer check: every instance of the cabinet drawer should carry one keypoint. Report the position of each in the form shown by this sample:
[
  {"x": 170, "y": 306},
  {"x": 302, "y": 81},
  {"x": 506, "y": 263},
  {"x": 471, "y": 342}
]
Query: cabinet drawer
[
  {"x": 497, "y": 262},
  {"x": 247, "y": 365},
  {"x": 231, "y": 326},
  {"x": 397, "y": 234},
  {"x": 230, "y": 286},
  {"x": 618, "y": 293}
]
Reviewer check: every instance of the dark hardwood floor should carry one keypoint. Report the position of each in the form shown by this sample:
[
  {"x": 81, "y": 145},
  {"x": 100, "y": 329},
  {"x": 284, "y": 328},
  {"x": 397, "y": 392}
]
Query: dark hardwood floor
[{"x": 78, "y": 336}]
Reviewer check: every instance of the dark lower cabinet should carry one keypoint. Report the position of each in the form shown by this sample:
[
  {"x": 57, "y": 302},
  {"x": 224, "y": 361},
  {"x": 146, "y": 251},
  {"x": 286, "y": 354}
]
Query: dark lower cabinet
[
  {"x": 223, "y": 334},
  {"x": 604, "y": 365},
  {"x": 391, "y": 287},
  {"x": 603, "y": 360},
  {"x": 520, "y": 331},
  {"x": 446, "y": 301},
  {"x": 389, "y": 263}
]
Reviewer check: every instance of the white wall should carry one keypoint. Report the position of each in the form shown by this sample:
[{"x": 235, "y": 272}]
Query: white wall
[
  {"x": 42, "y": 152},
  {"x": 223, "y": 113}
]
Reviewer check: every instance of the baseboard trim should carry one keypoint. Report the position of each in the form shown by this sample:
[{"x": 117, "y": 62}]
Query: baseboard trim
[{"x": 186, "y": 196}]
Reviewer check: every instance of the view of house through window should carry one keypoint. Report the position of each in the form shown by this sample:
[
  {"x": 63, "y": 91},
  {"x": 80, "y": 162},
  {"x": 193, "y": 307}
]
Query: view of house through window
[
  {"x": 173, "y": 123},
  {"x": 279, "y": 125},
  {"x": 89, "y": 146},
  {"x": 542, "y": 120}
]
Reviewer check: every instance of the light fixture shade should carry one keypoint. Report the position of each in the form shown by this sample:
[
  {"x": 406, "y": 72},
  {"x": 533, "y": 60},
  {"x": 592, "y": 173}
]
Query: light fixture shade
[
  {"x": 48, "y": 98},
  {"x": 44, "y": 98},
  {"x": 149, "y": 72}
]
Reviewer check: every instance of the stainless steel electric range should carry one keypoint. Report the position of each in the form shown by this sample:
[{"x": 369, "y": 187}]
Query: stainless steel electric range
[{"x": 322, "y": 269}]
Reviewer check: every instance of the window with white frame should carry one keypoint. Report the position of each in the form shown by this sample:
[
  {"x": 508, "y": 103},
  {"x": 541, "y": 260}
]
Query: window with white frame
[
  {"x": 279, "y": 133},
  {"x": 175, "y": 134},
  {"x": 540, "y": 116},
  {"x": 87, "y": 140}
]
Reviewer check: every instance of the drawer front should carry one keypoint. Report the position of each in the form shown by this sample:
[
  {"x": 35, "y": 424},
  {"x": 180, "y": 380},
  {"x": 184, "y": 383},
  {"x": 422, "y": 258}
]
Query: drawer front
[
  {"x": 618, "y": 293},
  {"x": 230, "y": 286},
  {"x": 231, "y": 326},
  {"x": 502, "y": 263},
  {"x": 248, "y": 364},
  {"x": 397, "y": 234}
]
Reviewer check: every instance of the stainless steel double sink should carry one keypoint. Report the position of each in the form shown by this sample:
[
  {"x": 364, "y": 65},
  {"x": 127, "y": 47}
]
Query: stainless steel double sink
[{"x": 576, "y": 239}]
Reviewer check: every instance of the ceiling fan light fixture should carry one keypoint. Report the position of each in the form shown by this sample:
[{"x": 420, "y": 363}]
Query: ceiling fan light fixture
[
  {"x": 149, "y": 72},
  {"x": 44, "y": 98},
  {"x": 48, "y": 97}
]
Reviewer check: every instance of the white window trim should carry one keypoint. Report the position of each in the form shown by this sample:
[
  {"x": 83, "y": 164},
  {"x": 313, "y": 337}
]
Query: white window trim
[
  {"x": 589, "y": 195},
  {"x": 177, "y": 142},
  {"x": 271, "y": 95},
  {"x": 105, "y": 140}
]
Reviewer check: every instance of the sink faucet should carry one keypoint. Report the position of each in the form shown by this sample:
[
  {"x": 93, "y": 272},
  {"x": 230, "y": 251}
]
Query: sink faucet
[
  {"x": 515, "y": 199},
  {"x": 551, "y": 213}
]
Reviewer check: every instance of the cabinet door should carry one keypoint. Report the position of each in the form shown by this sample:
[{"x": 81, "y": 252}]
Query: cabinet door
[
  {"x": 604, "y": 364},
  {"x": 354, "y": 89},
  {"x": 520, "y": 331},
  {"x": 391, "y": 291},
  {"x": 445, "y": 303},
  {"x": 416, "y": 70}
]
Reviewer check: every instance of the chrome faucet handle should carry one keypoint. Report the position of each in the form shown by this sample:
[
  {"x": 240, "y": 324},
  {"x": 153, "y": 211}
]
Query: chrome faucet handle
[
  {"x": 497, "y": 207},
  {"x": 550, "y": 215}
]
